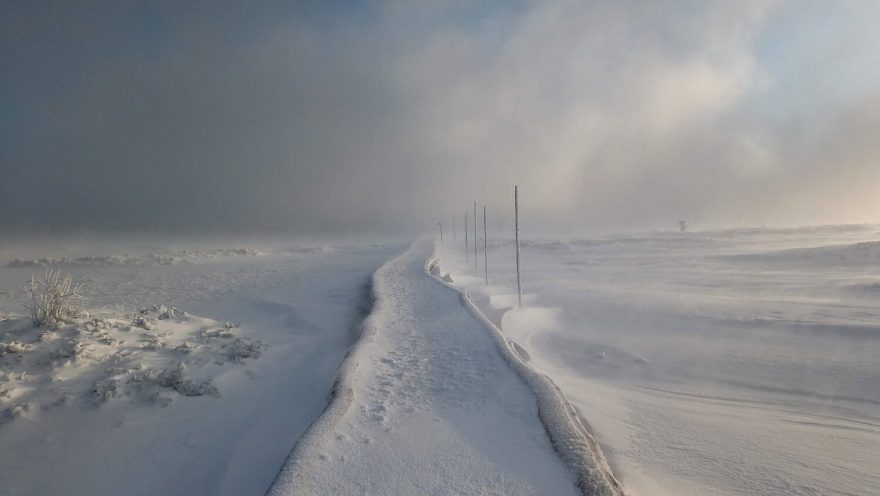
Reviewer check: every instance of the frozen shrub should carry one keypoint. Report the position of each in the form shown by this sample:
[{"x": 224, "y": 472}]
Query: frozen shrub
[
  {"x": 54, "y": 298},
  {"x": 14, "y": 411},
  {"x": 160, "y": 399},
  {"x": 217, "y": 333},
  {"x": 241, "y": 349},
  {"x": 142, "y": 322},
  {"x": 185, "y": 347},
  {"x": 15, "y": 347},
  {"x": 104, "y": 390},
  {"x": 434, "y": 268},
  {"x": 74, "y": 348},
  {"x": 175, "y": 379},
  {"x": 166, "y": 312}
]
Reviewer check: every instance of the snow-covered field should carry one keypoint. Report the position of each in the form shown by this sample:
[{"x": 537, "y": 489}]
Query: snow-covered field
[
  {"x": 208, "y": 397},
  {"x": 737, "y": 362}
]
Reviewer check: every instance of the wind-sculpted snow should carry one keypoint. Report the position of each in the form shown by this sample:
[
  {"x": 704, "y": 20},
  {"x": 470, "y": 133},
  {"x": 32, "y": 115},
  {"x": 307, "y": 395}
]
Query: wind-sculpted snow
[
  {"x": 134, "y": 402},
  {"x": 426, "y": 404},
  {"x": 740, "y": 362},
  {"x": 342, "y": 397},
  {"x": 867, "y": 252},
  {"x": 569, "y": 436},
  {"x": 826, "y": 230}
]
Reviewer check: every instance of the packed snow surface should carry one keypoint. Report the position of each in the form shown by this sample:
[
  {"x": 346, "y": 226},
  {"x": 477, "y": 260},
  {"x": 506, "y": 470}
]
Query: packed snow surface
[
  {"x": 426, "y": 405},
  {"x": 737, "y": 362},
  {"x": 195, "y": 376}
]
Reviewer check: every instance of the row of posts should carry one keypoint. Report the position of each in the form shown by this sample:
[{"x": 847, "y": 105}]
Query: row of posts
[{"x": 467, "y": 243}]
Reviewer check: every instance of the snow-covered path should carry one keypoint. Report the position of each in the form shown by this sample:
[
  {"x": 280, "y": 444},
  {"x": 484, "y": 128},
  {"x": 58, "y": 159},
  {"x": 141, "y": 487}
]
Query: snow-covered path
[{"x": 426, "y": 405}]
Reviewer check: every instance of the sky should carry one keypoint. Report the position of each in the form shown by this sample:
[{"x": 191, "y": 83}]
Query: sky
[{"x": 346, "y": 116}]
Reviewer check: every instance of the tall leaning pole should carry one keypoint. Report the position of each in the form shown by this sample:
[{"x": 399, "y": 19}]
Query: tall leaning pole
[
  {"x": 485, "y": 246},
  {"x": 467, "y": 247},
  {"x": 476, "y": 262},
  {"x": 516, "y": 216}
]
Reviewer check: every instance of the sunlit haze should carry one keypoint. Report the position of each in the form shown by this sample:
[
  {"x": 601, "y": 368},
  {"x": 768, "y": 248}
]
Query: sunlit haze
[{"x": 309, "y": 117}]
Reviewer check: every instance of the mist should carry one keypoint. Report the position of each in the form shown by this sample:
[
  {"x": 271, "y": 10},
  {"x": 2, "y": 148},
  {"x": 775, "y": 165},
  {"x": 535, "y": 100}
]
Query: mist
[{"x": 338, "y": 117}]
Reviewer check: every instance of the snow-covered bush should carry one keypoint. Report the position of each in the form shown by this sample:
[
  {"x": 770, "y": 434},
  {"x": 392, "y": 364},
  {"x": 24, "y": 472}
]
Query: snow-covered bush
[
  {"x": 54, "y": 298},
  {"x": 242, "y": 349},
  {"x": 166, "y": 312}
]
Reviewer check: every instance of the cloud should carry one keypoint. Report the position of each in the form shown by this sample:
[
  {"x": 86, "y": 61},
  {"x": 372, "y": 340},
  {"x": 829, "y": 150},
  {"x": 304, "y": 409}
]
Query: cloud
[{"x": 610, "y": 115}]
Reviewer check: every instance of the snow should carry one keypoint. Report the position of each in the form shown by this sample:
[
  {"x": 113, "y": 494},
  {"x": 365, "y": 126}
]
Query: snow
[
  {"x": 739, "y": 362},
  {"x": 141, "y": 356},
  {"x": 426, "y": 404},
  {"x": 570, "y": 437},
  {"x": 211, "y": 401},
  {"x": 130, "y": 259}
]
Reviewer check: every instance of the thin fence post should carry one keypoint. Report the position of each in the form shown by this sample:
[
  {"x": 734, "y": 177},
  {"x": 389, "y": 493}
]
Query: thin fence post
[
  {"x": 467, "y": 248},
  {"x": 516, "y": 215},
  {"x": 485, "y": 246},
  {"x": 476, "y": 262},
  {"x": 441, "y": 232}
]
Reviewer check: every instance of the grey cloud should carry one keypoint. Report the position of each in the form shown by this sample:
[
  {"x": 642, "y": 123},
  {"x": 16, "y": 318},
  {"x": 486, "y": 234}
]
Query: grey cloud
[{"x": 610, "y": 115}]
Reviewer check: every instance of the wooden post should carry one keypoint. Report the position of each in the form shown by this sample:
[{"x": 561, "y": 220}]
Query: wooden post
[
  {"x": 441, "y": 232},
  {"x": 516, "y": 215},
  {"x": 467, "y": 248},
  {"x": 485, "y": 246},
  {"x": 476, "y": 262}
]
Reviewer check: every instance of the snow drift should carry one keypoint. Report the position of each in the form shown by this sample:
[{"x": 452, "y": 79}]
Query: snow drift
[{"x": 571, "y": 439}]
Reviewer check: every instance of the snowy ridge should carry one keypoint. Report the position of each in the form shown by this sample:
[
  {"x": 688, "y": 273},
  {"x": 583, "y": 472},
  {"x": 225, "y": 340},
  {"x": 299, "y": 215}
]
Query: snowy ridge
[
  {"x": 570, "y": 438},
  {"x": 341, "y": 396},
  {"x": 427, "y": 404}
]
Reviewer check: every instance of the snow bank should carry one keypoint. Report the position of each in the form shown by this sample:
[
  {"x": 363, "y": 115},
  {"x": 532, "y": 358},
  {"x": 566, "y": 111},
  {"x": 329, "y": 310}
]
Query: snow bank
[
  {"x": 341, "y": 396},
  {"x": 569, "y": 436}
]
